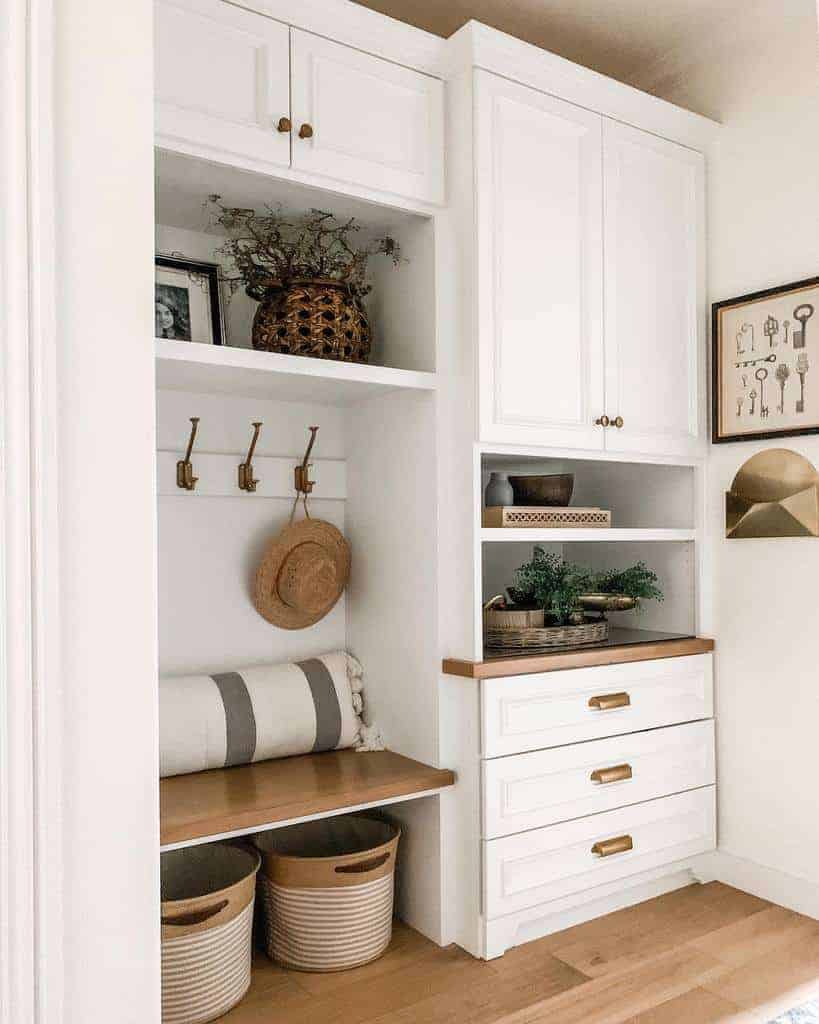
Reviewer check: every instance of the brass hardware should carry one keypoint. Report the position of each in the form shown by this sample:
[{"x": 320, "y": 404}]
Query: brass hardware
[
  {"x": 609, "y": 701},
  {"x": 774, "y": 494},
  {"x": 184, "y": 468},
  {"x": 606, "y": 847},
  {"x": 285, "y": 125},
  {"x": 247, "y": 482},
  {"x": 306, "y": 131},
  {"x": 617, "y": 422},
  {"x": 602, "y": 421},
  {"x": 304, "y": 485},
  {"x": 617, "y": 773}
]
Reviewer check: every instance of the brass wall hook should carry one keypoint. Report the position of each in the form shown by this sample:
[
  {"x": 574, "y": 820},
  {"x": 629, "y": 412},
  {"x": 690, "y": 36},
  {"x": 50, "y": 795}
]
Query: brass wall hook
[
  {"x": 184, "y": 468},
  {"x": 247, "y": 482},
  {"x": 304, "y": 485}
]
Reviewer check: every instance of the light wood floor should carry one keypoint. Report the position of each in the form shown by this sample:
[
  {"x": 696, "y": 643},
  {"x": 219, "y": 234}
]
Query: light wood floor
[{"x": 701, "y": 955}]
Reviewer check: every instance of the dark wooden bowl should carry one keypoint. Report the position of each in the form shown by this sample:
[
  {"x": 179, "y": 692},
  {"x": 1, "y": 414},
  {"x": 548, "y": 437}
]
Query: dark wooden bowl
[{"x": 553, "y": 490}]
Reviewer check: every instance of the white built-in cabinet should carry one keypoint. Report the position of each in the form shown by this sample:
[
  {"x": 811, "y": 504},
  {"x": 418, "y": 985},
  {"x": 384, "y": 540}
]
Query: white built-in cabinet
[
  {"x": 222, "y": 79},
  {"x": 589, "y": 250},
  {"x": 237, "y": 85},
  {"x": 540, "y": 292},
  {"x": 374, "y": 123},
  {"x": 653, "y": 217}
]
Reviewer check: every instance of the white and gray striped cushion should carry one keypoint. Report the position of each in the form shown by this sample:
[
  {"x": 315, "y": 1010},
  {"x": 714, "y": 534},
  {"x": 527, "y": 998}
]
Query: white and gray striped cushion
[{"x": 257, "y": 713}]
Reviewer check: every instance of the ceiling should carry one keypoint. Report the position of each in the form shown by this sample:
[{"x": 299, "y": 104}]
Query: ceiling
[{"x": 626, "y": 39}]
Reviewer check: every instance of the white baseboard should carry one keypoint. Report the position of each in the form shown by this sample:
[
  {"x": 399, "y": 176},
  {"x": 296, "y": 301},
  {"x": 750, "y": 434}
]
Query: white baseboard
[
  {"x": 503, "y": 933},
  {"x": 789, "y": 891}
]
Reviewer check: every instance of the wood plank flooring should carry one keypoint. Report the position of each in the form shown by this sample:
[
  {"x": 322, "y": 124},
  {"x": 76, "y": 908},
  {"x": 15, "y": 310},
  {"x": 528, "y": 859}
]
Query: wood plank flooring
[{"x": 706, "y": 954}]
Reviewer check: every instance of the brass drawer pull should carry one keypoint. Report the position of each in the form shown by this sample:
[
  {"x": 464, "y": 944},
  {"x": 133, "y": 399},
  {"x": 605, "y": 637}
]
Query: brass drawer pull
[
  {"x": 284, "y": 125},
  {"x": 618, "y": 422},
  {"x": 606, "y": 847},
  {"x": 617, "y": 773},
  {"x": 306, "y": 131},
  {"x": 609, "y": 701},
  {"x": 602, "y": 421}
]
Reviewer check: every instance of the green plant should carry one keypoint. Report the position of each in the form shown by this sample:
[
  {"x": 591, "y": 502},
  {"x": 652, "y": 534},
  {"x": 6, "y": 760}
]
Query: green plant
[
  {"x": 638, "y": 581},
  {"x": 273, "y": 249},
  {"x": 550, "y": 583}
]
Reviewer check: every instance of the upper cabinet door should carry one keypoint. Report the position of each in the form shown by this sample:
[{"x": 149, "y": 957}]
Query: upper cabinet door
[
  {"x": 539, "y": 254},
  {"x": 222, "y": 80},
  {"x": 363, "y": 120},
  {"x": 654, "y": 270}
]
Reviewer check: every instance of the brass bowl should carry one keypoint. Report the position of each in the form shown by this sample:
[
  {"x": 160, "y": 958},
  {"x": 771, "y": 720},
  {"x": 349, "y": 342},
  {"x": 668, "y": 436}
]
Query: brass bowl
[
  {"x": 553, "y": 490},
  {"x": 607, "y": 602}
]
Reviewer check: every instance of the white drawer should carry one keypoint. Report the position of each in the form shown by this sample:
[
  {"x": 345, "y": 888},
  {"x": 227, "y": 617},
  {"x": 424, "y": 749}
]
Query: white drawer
[
  {"x": 549, "y": 863},
  {"x": 552, "y": 709},
  {"x": 527, "y": 791}
]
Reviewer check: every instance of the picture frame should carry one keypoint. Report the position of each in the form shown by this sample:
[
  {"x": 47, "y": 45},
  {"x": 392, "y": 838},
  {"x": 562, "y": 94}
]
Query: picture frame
[
  {"x": 187, "y": 300},
  {"x": 765, "y": 356}
]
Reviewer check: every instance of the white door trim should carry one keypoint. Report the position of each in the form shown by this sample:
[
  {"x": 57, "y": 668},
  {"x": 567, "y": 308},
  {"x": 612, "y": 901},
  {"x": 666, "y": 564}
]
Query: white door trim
[{"x": 30, "y": 796}]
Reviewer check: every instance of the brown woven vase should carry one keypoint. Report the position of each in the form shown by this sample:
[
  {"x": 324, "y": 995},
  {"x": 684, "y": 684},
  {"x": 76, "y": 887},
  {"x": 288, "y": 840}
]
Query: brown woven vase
[{"x": 319, "y": 318}]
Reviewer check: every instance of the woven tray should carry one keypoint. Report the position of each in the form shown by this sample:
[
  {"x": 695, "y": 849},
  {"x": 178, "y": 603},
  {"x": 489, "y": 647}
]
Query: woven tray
[
  {"x": 523, "y": 516},
  {"x": 546, "y": 638}
]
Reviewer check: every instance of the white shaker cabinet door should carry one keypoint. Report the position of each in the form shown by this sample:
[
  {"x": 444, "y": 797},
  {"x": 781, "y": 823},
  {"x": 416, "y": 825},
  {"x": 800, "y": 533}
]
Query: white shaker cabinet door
[
  {"x": 222, "y": 81},
  {"x": 366, "y": 121},
  {"x": 539, "y": 253},
  {"x": 654, "y": 300}
]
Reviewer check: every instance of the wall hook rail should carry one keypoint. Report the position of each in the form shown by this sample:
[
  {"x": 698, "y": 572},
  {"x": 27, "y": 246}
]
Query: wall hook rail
[
  {"x": 247, "y": 482},
  {"x": 184, "y": 468}
]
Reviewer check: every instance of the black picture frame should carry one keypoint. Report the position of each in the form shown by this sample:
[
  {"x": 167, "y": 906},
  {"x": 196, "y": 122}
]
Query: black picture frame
[
  {"x": 210, "y": 271},
  {"x": 718, "y": 362}
]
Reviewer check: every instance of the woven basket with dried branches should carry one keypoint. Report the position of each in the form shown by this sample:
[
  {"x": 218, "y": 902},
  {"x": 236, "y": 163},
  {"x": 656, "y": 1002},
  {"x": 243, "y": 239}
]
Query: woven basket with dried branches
[
  {"x": 313, "y": 318},
  {"x": 308, "y": 277}
]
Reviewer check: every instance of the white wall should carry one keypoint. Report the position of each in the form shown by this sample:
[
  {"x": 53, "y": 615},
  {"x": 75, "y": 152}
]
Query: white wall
[
  {"x": 762, "y": 82},
  {"x": 104, "y": 266},
  {"x": 210, "y": 546}
]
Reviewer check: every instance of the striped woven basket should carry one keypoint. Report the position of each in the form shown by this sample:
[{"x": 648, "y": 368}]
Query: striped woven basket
[
  {"x": 207, "y": 920},
  {"x": 327, "y": 892}
]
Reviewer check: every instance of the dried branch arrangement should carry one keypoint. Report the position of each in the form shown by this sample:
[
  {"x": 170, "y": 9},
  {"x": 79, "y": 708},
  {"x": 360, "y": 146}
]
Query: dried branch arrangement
[{"x": 272, "y": 250}]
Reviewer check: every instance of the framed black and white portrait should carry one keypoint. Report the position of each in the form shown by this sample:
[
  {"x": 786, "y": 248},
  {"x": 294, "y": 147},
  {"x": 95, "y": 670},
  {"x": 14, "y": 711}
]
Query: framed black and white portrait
[{"x": 187, "y": 303}]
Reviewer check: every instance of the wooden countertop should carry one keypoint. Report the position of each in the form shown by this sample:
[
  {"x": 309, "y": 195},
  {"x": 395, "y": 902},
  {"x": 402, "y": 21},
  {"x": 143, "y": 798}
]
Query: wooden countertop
[
  {"x": 624, "y": 645},
  {"x": 249, "y": 798}
]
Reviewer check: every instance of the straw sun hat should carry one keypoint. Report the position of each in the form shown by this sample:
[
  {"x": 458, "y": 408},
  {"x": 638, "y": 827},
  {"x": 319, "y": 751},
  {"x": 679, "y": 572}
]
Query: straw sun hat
[{"x": 302, "y": 574}]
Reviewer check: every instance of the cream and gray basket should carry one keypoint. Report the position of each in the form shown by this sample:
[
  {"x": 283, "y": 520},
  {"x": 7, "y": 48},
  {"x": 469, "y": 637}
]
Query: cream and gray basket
[
  {"x": 327, "y": 892},
  {"x": 207, "y": 921}
]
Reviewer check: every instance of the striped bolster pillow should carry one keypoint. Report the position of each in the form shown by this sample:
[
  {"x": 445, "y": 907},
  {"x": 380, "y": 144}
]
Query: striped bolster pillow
[{"x": 253, "y": 714}]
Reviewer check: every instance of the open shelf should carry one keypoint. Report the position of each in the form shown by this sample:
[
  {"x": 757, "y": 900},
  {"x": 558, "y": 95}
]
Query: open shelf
[
  {"x": 221, "y": 369},
  {"x": 623, "y": 645},
  {"x": 249, "y": 798},
  {"x": 646, "y": 496},
  {"x": 563, "y": 535}
]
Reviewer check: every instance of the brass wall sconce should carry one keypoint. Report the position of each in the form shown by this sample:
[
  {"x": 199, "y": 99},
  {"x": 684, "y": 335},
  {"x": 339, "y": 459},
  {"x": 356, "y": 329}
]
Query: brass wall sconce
[
  {"x": 247, "y": 482},
  {"x": 184, "y": 468},
  {"x": 774, "y": 494}
]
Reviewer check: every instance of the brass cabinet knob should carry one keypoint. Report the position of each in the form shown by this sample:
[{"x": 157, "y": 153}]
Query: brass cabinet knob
[
  {"x": 602, "y": 421},
  {"x": 617, "y": 773},
  {"x": 609, "y": 701},
  {"x": 617, "y": 421},
  {"x": 606, "y": 847},
  {"x": 306, "y": 131},
  {"x": 284, "y": 125}
]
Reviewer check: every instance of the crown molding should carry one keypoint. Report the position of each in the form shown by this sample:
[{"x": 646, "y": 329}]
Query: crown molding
[{"x": 344, "y": 22}]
